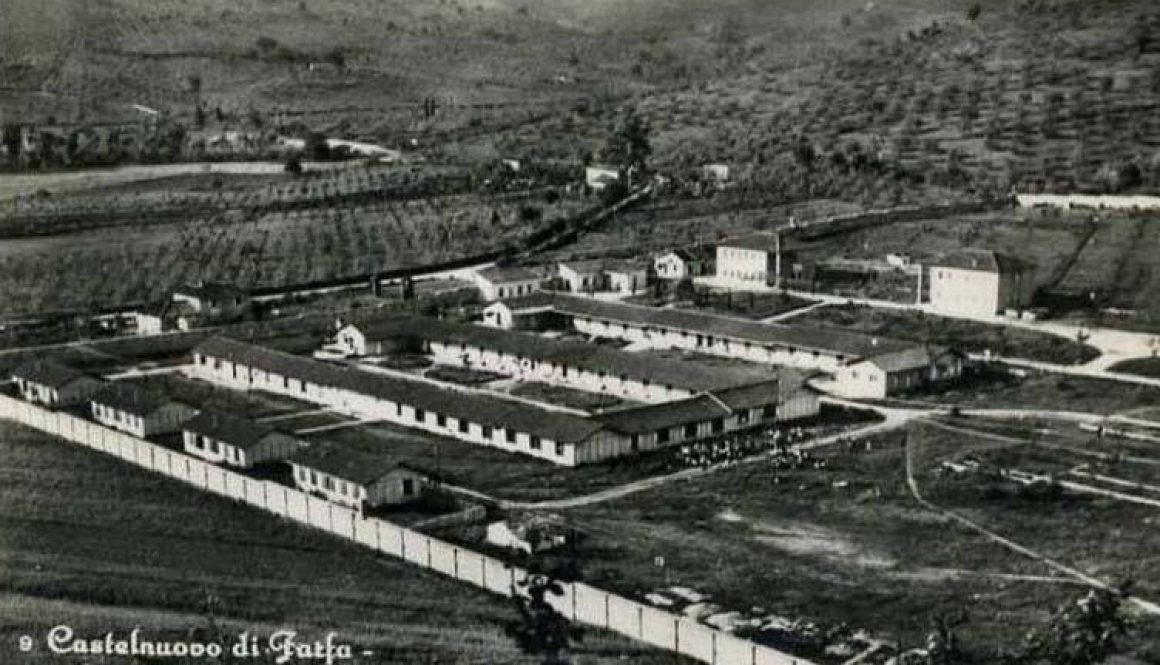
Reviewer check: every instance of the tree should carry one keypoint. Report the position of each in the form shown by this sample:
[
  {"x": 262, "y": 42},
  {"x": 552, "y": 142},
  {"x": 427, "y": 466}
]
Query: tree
[
  {"x": 11, "y": 139},
  {"x": 973, "y": 11},
  {"x": 1082, "y": 632},
  {"x": 541, "y": 630},
  {"x": 629, "y": 146},
  {"x": 316, "y": 147}
]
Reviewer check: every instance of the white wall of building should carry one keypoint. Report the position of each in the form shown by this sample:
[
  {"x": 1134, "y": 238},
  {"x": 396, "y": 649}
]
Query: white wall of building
[
  {"x": 660, "y": 339},
  {"x": 671, "y": 266},
  {"x": 162, "y": 421},
  {"x": 744, "y": 266},
  {"x": 366, "y": 406},
  {"x": 532, "y": 370},
  {"x": 959, "y": 291}
]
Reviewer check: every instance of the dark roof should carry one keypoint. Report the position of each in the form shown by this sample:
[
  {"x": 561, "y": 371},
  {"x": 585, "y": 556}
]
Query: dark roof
[
  {"x": 582, "y": 355},
  {"x": 511, "y": 274},
  {"x": 234, "y": 430},
  {"x": 348, "y": 462},
  {"x": 456, "y": 403},
  {"x": 701, "y": 408},
  {"x": 985, "y": 260},
  {"x": 49, "y": 373},
  {"x": 829, "y": 340},
  {"x": 131, "y": 399},
  {"x": 665, "y": 415}
]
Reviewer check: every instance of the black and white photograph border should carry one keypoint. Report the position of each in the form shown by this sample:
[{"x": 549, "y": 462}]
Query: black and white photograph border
[{"x": 672, "y": 332}]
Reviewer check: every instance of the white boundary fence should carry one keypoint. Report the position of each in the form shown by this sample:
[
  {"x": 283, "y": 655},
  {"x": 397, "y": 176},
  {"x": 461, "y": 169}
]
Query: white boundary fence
[
  {"x": 1097, "y": 201},
  {"x": 580, "y": 602}
]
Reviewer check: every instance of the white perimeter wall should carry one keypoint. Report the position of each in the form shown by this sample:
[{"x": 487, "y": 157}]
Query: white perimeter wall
[{"x": 581, "y": 603}]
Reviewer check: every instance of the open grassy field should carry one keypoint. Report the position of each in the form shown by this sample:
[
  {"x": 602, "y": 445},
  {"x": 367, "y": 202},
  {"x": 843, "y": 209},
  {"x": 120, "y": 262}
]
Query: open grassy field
[
  {"x": 847, "y": 545},
  {"x": 997, "y": 388},
  {"x": 1141, "y": 366},
  {"x": 99, "y": 545},
  {"x": 965, "y": 335}
]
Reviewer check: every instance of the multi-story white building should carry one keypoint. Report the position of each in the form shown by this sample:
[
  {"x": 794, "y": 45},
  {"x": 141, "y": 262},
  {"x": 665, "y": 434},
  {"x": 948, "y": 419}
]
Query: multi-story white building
[
  {"x": 749, "y": 260},
  {"x": 981, "y": 283}
]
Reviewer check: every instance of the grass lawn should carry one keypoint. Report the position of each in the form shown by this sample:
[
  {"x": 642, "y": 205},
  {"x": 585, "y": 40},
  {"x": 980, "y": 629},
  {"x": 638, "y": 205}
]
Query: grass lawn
[
  {"x": 848, "y": 545},
  {"x": 203, "y": 395},
  {"x": 569, "y": 397},
  {"x": 1140, "y": 366},
  {"x": 996, "y": 388},
  {"x": 969, "y": 336},
  {"x": 101, "y": 545}
]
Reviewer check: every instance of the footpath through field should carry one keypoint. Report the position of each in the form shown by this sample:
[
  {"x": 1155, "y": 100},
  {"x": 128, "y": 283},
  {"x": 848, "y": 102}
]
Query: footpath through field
[{"x": 1143, "y": 605}]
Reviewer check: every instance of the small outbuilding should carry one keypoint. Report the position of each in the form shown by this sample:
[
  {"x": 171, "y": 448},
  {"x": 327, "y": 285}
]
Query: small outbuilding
[
  {"x": 497, "y": 283},
  {"x": 582, "y": 276},
  {"x": 223, "y": 438},
  {"x": 54, "y": 384},
  {"x": 138, "y": 411},
  {"x": 599, "y": 176},
  {"x": 894, "y": 372},
  {"x": 684, "y": 263},
  {"x": 355, "y": 477}
]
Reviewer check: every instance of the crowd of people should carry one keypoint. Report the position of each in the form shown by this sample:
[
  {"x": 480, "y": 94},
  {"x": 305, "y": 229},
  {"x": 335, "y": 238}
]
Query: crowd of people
[{"x": 734, "y": 447}]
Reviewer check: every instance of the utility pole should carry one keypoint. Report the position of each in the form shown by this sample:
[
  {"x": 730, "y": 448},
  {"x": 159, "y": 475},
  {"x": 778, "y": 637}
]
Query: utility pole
[
  {"x": 777, "y": 260},
  {"x": 918, "y": 291}
]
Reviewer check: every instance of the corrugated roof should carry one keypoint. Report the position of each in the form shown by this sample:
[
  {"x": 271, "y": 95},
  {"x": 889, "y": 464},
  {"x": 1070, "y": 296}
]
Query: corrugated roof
[
  {"x": 459, "y": 404},
  {"x": 612, "y": 362},
  {"x": 49, "y": 373}
]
